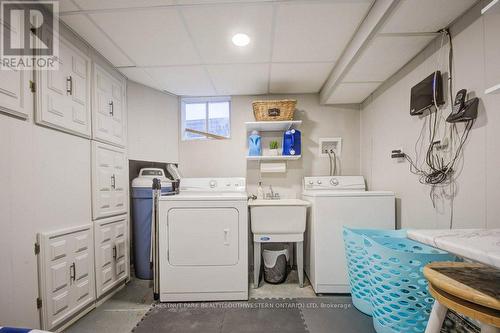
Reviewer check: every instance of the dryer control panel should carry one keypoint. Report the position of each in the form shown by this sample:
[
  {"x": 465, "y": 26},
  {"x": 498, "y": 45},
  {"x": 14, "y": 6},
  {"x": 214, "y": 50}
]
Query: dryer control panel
[
  {"x": 233, "y": 184},
  {"x": 341, "y": 183}
]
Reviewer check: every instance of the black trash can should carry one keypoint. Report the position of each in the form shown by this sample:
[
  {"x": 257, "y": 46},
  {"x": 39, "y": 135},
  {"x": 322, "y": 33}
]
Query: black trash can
[{"x": 275, "y": 263}]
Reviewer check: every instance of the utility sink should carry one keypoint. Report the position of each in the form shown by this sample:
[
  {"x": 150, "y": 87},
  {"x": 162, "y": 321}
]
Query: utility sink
[
  {"x": 278, "y": 221},
  {"x": 282, "y": 216}
]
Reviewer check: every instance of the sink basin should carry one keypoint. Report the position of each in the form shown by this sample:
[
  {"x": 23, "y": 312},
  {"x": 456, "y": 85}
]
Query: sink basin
[{"x": 284, "y": 216}]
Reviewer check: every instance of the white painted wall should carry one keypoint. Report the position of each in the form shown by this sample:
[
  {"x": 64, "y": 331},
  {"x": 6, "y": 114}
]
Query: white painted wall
[
  {"x": 386, "y": 125},
  {"x": 153, "y": 124},
  {"x": 45, "y": 178},
  {"x": 226, "y": 158}
]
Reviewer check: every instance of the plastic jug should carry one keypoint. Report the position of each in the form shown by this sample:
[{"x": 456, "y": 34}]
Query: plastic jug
[
  {"x": 291, "y": 142},
  {"x": 254, "y": 144}
]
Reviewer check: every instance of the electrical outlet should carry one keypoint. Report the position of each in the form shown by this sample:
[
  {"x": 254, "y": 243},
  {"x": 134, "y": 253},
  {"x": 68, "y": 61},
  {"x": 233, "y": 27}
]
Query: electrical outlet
[
  {"x": 441, "y": 145},
  {"x": 332, "y": 145},
  {"x": 398, "y": 151}
]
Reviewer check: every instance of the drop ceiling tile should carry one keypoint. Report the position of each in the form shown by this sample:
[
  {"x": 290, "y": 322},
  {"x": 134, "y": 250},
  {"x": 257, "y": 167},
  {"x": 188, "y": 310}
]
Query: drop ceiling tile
[
  {"x": 67, "y": 6},
  {"x": 385, "y": 56},
  {"x": 317, "y": 31},
  {"x": 349, "y": 93},
  {"x": 205, "y": 2},
  {"x": 153, "y": 37},
  {"x": 139, "y": 75},
  {"x": 183, "y": 80},
  {"x": 299, "y": 77},
  {"x": 238, "y": 79},
  {"x": 425, "y": 15},
  {"x": 113, "y": 4},
  {"x": 91, "y": 33},
  {"x": 212, "y": 28}
]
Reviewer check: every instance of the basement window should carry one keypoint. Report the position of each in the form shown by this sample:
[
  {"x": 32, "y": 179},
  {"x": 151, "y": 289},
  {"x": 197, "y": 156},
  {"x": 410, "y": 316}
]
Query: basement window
[{"x": 205, "y": 118}]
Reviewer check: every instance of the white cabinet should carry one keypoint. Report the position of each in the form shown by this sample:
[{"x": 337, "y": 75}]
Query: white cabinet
[
  {"x": 109, "y": 117},
  {"x": 111, "y": 253},
  {"x": 109, "y": 180},
  {"x": 63, "y": 95},
  {"x": 66, "y": 274},
  {"x": 492, "y": 46},
  {"x": 15, "y": 93}
]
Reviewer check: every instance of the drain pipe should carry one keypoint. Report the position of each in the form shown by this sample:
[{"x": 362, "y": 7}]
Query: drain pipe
[{"x": 155, "y": 258}]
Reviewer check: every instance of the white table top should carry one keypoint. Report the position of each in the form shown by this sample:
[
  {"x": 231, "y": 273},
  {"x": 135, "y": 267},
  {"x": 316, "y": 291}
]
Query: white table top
[{"x": 482, "y": 245}]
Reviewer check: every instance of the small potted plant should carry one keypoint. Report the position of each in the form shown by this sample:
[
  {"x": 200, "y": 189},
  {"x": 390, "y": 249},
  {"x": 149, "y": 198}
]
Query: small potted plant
[{"x": 273, "y": 148}]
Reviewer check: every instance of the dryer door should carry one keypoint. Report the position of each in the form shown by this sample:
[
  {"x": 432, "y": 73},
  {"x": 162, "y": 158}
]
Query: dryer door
[{"x": 203, "y": 236}]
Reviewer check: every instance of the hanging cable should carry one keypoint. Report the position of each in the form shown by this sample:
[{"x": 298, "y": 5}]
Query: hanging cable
[
  {"x": 330, "y": 160},
  {"x": 437, "y": 168},
  {"x": 333, "y": 162}
]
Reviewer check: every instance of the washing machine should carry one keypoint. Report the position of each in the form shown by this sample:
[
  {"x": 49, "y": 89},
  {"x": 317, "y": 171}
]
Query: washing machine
[
  {"x": 203, "y": 241},
  {"x": 339, "y": 201}
]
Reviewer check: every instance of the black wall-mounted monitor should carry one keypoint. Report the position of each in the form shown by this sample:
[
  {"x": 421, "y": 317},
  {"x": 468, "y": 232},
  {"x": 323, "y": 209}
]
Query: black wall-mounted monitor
[{"x": 422, "y": 94}]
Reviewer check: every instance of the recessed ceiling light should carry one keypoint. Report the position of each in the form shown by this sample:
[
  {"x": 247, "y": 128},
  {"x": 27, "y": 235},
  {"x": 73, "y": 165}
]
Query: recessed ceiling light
[{"x": 241, "y": 40}]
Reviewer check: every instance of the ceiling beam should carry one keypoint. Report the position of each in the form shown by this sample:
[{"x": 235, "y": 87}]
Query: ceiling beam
[
  {"x": 177, "y": 5},
  {"x": 375, "y": 18}
]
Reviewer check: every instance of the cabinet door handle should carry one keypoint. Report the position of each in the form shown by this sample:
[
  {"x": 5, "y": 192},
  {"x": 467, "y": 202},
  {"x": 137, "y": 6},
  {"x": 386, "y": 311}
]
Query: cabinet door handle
[
  {"x": 69, "y": 85},
  {"x": 114, "y": 252},
  {"x": 226, "y": 236},
  {"x": 113, "y": 182},
  {"x": 72, "y": 272},
  {"x": 111, "y": 109}
]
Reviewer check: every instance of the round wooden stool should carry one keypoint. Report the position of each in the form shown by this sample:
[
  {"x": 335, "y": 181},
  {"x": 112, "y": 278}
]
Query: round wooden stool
[{"x": 470, "y": 289}]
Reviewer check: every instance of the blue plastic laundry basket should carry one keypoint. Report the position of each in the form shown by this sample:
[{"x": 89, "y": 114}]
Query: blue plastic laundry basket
[
  {"x": 358, "y": 265},
  {"x": 400, "y": 299}
]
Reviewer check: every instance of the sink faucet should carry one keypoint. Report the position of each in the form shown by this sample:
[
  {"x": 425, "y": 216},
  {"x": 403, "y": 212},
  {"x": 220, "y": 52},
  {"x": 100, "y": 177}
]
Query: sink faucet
[{"x": 272, "y": 195}]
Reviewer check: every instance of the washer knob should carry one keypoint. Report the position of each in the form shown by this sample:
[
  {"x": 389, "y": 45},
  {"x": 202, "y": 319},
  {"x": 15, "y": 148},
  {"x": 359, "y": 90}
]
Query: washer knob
[
  {"x": 213, "y": 183},
  {"x": 311, "y": 182},
  {"x": 319, "y": 182},
  {"x": 334, "y": 181}
]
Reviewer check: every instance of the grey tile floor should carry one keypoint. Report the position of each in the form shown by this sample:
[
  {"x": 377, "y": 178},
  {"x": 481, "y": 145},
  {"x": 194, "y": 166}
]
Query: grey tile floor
[
  {"x": 121, "y": 313},
  {"x": 323, "y": 314}
]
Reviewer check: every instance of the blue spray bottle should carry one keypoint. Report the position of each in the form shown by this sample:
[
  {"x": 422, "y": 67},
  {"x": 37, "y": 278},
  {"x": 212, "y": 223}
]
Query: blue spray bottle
[{"x": 254, "y": 144}]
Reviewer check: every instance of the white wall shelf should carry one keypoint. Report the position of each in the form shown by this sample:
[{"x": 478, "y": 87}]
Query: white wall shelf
[
  {"x": 272, "y": 126},
  {"x": 274, "y": 158},
  {"x": 493, "y": 90}
]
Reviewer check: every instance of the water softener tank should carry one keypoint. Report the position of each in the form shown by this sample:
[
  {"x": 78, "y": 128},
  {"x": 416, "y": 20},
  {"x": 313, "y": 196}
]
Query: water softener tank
[
  {"x": 142, "y": 210},
  {"x": 291, "y": 142},
  {"x": 254, "y": 144}
]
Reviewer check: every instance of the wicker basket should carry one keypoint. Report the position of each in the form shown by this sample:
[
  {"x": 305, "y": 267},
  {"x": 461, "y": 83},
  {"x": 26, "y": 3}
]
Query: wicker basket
[{"x": 274, "y": 110}]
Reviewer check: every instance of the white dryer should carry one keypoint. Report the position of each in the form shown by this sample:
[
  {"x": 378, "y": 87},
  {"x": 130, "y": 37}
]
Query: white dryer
[
  {"x": 339, "y": 201},
  {"x": 203, "y": 241}
]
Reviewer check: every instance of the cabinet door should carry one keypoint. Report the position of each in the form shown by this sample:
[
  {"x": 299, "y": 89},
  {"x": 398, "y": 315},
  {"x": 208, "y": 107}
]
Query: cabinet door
[
  {"x": 111, "y": 253},
  {"x": 120, "y": 182},
  {"x": 66, "y": 277},
  {"x": 82, "y": 272},
  {"x": 492, "y": 48},
  {"x": 108, "y": 181},
  {"x": 109, "y": 120},
  {"x": 63, "y": 95},
  {"x": 121, "y": 251},
  {"x": 15, "y": 94}
]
